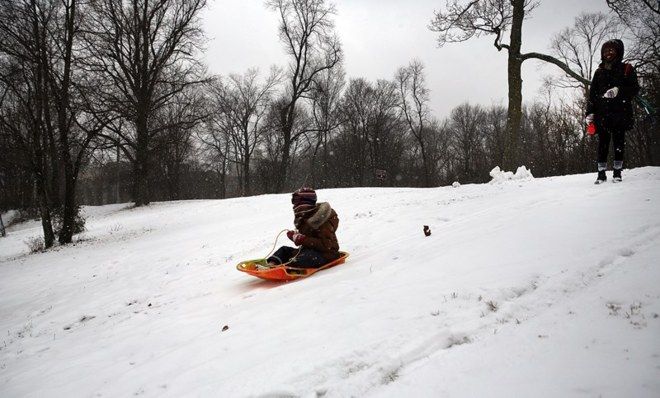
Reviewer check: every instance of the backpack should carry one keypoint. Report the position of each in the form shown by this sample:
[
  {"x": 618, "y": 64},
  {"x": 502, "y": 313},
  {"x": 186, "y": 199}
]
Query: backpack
[{"x": 641, "y": 101}]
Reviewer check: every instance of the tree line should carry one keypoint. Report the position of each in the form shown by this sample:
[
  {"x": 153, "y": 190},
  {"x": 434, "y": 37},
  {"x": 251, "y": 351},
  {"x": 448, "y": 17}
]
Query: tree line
[{"x": 106, "y": 101}]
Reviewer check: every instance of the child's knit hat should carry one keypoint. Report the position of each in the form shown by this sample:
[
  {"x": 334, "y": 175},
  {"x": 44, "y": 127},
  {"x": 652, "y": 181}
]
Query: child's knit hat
[{"x": 304, "y": 196}]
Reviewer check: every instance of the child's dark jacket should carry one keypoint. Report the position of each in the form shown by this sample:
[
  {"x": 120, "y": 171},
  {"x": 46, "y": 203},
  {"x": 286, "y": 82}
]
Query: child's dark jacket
[
  {"x": 613, "y": 113},
  {"x": 318, "y": 223}
]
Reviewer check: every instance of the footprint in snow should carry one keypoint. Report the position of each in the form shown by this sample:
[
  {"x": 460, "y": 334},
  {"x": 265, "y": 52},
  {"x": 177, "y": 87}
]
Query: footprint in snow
[{"x": 82, "y": 320}]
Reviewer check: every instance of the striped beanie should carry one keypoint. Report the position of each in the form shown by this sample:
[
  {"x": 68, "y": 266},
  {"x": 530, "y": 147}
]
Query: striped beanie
[{"x": 304, "y": 196}]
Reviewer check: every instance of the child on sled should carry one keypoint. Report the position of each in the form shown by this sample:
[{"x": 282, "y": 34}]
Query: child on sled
[{"x": 315, "y": 233}]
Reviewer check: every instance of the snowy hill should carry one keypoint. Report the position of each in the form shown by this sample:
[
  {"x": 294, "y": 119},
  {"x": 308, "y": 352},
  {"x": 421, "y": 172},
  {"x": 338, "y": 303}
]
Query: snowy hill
[{"x": 535, "y": 287}]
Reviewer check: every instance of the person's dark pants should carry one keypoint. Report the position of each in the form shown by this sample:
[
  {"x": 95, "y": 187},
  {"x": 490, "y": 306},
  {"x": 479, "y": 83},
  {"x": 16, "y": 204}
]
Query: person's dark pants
[
  {"x": 618, "y": 137},
  {"x": 307, "y": 258}
]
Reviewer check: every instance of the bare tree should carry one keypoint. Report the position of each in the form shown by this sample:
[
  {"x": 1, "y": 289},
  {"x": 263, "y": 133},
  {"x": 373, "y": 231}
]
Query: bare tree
[
  {"x": 579, "y": 46},
  {"x": 16, "y": 181},
  {"x": 466, "y": 126},
  {"x": 71, "y": 90},
  {"x": 463, "y": 20},
  {"x": 25, "y": 110},
  {"x": 414, "y": 99},
  {"x": 306, "y": 30},
  {"x": 371, "y": 137},
  {"x": 357, "y": 114},
  {"x": 44, "y": 107},
  {"x": 145, "y": 51},
  {"x": 175, "y": 146},
  {"x": 642, "y": 17},
  {"x": 217, "y": 144},
  {"x": 495, "y": 135},
  {"x": 239, "y": 108},
  {"x": 386, "y": 131},
  {"x": 325, "y": 98}
]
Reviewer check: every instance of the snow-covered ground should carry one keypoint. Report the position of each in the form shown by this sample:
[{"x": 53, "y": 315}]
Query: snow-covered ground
[
  {"x": 526, "y": 287},
  {"x": 8, "y": 217}
]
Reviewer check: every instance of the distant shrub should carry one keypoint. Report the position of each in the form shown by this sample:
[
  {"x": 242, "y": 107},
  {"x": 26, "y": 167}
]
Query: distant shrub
[
  {"x": 35, "y": 244},
  {"x": 78, "y": 222}
]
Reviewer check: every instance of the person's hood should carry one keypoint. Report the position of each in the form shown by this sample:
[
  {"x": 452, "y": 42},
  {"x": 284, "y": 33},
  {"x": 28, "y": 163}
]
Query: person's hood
[{"x": 618, "y": 46}]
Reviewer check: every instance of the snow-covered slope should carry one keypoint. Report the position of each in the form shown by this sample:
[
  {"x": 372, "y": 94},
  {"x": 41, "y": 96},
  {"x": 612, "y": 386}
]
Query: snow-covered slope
[{"x": 534, "y": 287}]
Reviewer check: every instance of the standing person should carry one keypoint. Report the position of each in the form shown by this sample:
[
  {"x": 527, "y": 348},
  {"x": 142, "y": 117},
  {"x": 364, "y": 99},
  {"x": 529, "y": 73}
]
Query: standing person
[
  {"x": 609, "y": 106},
  {"x": 316, "y": 225}
]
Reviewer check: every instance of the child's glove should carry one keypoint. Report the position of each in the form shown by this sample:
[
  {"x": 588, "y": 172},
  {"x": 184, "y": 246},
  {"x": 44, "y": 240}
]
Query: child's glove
[
  {"x": 589, "y": 119},
  {"x": 296, "y": 237},
  {"x": 611, "y": 93}
]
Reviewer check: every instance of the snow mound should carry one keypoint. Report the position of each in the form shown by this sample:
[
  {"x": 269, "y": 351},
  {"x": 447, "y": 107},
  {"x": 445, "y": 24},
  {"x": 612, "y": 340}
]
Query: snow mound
[
  {"x": 498, "y": 175},
  {"x": 149, "y": 302},
  {"x": 8, "y": 217}
]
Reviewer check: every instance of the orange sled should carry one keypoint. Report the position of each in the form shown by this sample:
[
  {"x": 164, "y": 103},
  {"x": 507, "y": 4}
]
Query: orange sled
[{"x": 260, "y": 269}]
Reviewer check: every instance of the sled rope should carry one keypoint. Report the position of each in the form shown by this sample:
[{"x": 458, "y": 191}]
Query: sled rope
[{"x": 275, "y": 245}]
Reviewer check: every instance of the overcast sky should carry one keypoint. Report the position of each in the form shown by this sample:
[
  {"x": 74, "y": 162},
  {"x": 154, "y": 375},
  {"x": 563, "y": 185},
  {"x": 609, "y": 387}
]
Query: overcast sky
[{"x": 379, "y": 36}]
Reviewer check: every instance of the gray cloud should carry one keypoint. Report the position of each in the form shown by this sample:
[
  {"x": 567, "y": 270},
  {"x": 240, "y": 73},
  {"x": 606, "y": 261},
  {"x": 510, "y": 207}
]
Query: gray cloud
[{"x": 380, "y": 36}]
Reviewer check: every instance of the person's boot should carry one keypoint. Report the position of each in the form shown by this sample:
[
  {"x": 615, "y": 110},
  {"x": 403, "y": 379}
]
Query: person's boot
[
  {"x": 617, "y": 175},
  {"x": 601, "y": 177}
]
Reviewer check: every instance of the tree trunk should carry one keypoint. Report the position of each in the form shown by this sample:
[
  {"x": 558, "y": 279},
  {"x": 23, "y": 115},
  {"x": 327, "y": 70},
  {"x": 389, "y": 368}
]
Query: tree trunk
[
  {"x": 313, "y": 167},
  {"x": 425, "y": 164},
  {"x": 223, "y": 180},
  {"x": 514, "y": 114},
  {"x": 177, "y": 182},
  {"x": 173, "y": 180},
  {"x": 117, "y": 199},
  {"x": 70, "y": 211},
  {"x": 141, "y": 167},
  {"x": 287, "y": 128},
  {"x": 247, "y": 189},
  {"x": 281, "y": 177},
  {"x": 69, "y": 208},
  {"x": 45, "y": 212},
  {"x": 654, "y": 146},
  {"x": 140, "y": 185}
]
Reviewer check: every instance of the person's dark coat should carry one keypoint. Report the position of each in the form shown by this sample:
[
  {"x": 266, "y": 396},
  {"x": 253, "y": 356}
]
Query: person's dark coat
[
  {"x": 613, "y": 113},
  {"x": 318, "y": 223}
]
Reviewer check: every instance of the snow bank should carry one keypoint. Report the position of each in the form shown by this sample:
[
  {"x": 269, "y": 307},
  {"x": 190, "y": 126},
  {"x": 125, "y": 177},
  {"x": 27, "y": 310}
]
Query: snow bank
[
  {"x": 8, "y": 217},
  {"x": 510, "y": 296},
  {"x": 498, "y": 175}
]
